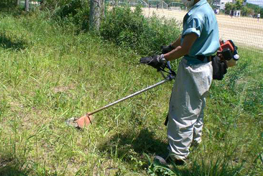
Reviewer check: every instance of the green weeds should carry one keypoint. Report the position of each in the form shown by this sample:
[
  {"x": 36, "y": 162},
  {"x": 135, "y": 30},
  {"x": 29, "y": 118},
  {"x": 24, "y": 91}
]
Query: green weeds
[
  {"x": 130, "y": 29},
  {"x": 57, "y": 74}
]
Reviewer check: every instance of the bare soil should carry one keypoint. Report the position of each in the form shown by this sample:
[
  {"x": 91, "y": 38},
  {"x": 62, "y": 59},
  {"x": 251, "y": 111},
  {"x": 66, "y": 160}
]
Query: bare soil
[{"x": 242, "y": 30}]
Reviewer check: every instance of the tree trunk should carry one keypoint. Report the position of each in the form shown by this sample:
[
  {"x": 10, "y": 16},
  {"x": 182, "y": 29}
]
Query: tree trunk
[
  {"x": 102, "y": 9},
  {"x": 27, "y": 5},
  {"x": 17, "y": 2},
  {"x": 95, "y": 14}
]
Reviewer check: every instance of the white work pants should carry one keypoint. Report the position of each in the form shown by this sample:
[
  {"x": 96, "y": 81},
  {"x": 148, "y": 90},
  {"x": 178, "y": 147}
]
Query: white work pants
[{"x": 186, "y": 109}]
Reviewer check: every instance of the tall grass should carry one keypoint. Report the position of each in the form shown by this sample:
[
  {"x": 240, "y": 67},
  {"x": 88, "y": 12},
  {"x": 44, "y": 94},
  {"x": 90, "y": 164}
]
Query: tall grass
[{"x": 49, "y": 74}]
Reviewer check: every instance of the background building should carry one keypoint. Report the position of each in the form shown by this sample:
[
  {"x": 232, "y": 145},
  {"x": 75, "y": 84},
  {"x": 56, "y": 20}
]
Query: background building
[{"x": 220, "y": 4}]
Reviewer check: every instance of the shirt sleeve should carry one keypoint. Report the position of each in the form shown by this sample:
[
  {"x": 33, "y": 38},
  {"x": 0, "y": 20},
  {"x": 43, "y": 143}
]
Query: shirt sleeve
[{"x": 193, "y": 25}]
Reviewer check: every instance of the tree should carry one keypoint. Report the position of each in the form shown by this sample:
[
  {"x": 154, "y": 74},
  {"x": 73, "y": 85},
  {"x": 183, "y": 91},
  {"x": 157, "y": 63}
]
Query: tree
[
  {"x": 27, "y": 5},
  {"x": 239, "y": 4},
  {"x": 228, "y": 7},
  {"x": 256, "y": 9},
  {"x": 247, "y": 11},
  {"x": 96, "y": 7}
]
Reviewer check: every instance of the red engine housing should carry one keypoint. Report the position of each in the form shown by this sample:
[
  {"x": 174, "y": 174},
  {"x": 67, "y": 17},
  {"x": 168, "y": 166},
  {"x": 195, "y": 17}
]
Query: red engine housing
[
  {"x": 226, "y": 45},
  {"x": 227, "y": 49}
]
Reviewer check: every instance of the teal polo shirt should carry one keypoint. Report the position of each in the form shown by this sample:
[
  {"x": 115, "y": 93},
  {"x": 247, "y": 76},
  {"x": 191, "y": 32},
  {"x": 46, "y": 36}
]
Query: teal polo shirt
[{"x": 201, "y": 20}]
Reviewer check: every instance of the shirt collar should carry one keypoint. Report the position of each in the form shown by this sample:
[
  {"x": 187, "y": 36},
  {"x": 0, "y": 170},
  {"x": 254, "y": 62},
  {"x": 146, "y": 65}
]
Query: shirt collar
[{"x": 199, "y": 3}]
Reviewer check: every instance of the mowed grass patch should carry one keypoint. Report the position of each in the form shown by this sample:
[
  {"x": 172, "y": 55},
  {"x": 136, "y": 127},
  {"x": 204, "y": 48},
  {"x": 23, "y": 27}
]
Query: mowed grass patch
[{"x": 53, "y": 74}]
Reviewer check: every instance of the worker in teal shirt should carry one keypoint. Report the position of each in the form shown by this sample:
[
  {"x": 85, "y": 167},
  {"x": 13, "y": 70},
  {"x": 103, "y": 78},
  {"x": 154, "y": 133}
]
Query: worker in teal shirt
[
  {"x": 198, "y": 41},
  {"x": 201, "y": 20}
]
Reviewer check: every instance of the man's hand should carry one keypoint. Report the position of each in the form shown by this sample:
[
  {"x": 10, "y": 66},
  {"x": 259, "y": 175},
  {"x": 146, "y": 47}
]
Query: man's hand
[
  {"x": 167, "y": 49},
  {"x": 157, "y": 61}
]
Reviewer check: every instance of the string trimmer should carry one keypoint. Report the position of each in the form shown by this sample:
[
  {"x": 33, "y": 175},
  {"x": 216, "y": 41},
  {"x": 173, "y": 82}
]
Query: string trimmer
[{"x": 87, "y": 119}]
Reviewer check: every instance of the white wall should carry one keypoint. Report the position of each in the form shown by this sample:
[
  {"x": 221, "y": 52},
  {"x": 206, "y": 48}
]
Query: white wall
[{"x": 221, "y": 3}]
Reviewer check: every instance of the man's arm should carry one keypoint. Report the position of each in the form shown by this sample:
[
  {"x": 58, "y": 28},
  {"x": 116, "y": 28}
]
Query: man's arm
[
  {"x": 183, "y": 49},
  {"x": 172, "y": 46},
  {"x": 159, "y": 61},
  {"x": 177, "y": 42}
]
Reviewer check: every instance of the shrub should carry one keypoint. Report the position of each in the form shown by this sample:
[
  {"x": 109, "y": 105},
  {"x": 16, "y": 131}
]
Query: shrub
[
  {"x": 52, "y": 5},
  {"x": 74, "y": 11},
  {"x": 121, "y": 25},
  {"x": 131, "y": 29}
]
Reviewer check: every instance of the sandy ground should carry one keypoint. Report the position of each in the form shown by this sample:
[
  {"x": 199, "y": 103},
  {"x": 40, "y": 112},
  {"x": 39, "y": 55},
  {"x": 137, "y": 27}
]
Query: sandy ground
[{"x": 242, "y": 30}]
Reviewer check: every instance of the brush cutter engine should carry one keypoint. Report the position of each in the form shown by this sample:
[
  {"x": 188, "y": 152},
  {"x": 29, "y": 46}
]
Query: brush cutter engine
[
  {"x": 228, "y": 50},
  {"x": 225, "y": 57}
]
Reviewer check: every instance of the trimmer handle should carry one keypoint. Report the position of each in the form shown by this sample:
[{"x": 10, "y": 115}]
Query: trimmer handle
[
  {"x": 171, "y": 74},
  {"x": 169, "y": 66}
]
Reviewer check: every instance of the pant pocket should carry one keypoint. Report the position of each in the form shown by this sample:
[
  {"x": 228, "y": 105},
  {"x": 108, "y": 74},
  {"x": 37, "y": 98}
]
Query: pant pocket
[{"x": 201, "y": 76}]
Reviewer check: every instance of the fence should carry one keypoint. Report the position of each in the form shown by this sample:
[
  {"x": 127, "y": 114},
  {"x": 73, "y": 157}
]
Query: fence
[
  {"x": 244, "y": 30},
  {"x": 32, "y": 4},
  {"x": 150, "y": 3},
  {"x": 127, "y": 2}
]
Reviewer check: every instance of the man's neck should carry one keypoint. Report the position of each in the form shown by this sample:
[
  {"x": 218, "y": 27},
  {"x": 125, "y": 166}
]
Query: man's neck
[{"x": 196, "y": 1}]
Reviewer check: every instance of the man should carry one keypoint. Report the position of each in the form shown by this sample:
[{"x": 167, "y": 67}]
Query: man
[{"x": 198, "y": 41}]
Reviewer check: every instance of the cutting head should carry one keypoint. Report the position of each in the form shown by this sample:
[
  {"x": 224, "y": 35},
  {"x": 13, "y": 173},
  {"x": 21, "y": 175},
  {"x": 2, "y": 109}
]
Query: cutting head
[{"x": 81, "y": 122}]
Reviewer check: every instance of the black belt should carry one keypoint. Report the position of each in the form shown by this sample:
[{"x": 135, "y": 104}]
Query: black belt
[{"x": 202, "y": 58}]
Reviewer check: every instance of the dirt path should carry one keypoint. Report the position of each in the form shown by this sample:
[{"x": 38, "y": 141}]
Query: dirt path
[{"x": 242, "y": 30}]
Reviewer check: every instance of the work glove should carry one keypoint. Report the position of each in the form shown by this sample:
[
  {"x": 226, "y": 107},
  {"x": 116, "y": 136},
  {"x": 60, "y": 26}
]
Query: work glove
[
  {"x": 167, "y": 49},
  {"x": 157, "y": 61}
]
